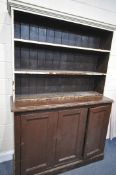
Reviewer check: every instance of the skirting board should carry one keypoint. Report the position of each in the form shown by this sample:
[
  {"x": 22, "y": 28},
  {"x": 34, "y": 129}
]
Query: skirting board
[{"x": 6, "y": 156}]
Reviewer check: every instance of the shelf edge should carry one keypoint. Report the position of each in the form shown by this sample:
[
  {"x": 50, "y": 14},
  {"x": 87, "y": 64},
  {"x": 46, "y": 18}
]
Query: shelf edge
[{"x": 61, "y": 45}]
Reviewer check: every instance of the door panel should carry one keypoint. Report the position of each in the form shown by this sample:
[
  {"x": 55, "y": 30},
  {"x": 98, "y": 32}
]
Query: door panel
[
  {"x": 38, "y": 141},
  {"x": 70, "y": 135},
  {"x": 96, "y": 131}
]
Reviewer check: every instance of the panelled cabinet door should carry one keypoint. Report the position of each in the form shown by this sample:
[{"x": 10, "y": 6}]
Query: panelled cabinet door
[
  {"x": 96, "y": 130},
  {"x": 38, "y": 141},
  {"x": 70, "y": 135}
]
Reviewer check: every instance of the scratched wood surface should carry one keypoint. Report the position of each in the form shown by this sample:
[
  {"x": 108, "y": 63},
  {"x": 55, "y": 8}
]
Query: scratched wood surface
[
  {"x": 47, "y": 101},
  {"x": 56, "y": 98}
]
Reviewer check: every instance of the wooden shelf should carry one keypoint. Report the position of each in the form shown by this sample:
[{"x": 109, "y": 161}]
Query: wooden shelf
[
  {"x": 16, "y": 108},
  {"x": 57, "y": 99},
  {"x": 61, "y": 45},
  {"x": 57, "y": 72}
]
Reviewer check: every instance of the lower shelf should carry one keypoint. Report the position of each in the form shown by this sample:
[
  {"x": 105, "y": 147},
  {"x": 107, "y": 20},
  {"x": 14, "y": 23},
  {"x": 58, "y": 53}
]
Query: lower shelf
[
  {"x": 59, "y": 94},
  {"x": 56, "y": 100}
]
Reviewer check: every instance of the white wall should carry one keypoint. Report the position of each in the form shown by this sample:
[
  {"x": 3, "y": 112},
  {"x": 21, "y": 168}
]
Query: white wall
[
  {"x": 110, "y": 87},
  {"x": 6, "y": 118},
  {"x": 104, "y": 11}
]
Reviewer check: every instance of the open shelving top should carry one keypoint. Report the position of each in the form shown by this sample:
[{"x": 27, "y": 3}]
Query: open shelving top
[
  {"x": 57, "y": 72},
  {"x": 58, "y": 62},
  {"x": 60, "y": 45}
]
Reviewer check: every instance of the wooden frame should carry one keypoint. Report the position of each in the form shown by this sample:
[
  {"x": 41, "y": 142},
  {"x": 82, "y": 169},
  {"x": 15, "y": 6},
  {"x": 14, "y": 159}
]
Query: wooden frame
[{"x": 58, "y": 100}]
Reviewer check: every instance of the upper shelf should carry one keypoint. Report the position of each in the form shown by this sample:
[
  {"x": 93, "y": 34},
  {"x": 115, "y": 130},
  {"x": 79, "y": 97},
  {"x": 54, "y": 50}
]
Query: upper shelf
[
  {"x": 57, "y": 72},
  {"x": 61, "y": 45}
]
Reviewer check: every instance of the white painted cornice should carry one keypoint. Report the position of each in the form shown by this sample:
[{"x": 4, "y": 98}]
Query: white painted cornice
[{"x": 33, "y": 8}]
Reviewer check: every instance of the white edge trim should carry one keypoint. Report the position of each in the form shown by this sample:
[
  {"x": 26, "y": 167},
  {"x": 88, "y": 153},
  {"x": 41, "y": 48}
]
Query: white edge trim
[
  {"x": 31, "y": 8},
  {"x": 6, "y": 156},
  {"x": 60, "y": 45},
  {"x": 13, "y": 59}
]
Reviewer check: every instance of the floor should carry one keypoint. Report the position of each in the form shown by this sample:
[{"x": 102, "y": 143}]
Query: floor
[{"x": 104, "y": 167}]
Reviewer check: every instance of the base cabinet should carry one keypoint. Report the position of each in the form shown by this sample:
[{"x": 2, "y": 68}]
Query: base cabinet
[{"x": 50, "y": 142}]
